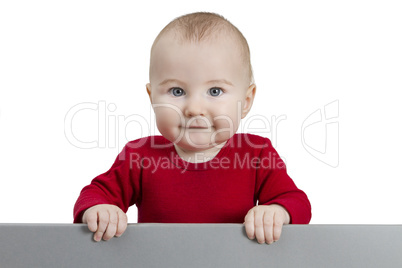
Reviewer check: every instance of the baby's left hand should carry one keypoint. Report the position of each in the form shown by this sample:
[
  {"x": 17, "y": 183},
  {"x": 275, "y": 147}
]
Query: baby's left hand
[{"x": 265, "y": 222}]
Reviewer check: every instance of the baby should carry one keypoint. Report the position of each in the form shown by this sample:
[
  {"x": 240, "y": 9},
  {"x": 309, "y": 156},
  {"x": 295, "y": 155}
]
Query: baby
[{"x": 199, "y": 170}]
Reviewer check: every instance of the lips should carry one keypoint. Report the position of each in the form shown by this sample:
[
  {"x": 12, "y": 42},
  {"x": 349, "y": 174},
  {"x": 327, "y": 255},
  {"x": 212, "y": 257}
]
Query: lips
[
  {"x": 197, "y": 127},
  {"x": 197, "y": 124}
]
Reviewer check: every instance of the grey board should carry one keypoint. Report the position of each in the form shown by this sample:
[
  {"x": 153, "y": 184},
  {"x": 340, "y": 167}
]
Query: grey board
[{"x": 200, "y": 245}]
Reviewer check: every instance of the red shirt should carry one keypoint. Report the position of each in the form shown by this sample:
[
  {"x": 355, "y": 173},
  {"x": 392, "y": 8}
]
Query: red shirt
[{"x": 166, "y": 189}]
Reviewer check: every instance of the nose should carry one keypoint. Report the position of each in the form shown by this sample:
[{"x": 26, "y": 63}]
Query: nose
[{"x": 195, "y": 106}]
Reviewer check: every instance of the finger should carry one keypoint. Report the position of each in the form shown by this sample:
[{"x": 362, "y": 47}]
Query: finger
[
  {"x": 112, "y": 226},
  {"x": 122, "y": 225},
  {"x": 259, "y": 226},
  {"x": 268, "y": 227},
  {"x": 249, "y": 224},
  {"x": 91, "y": 218},
  {"x": 278, "y": 224},
  {"x": 103, "y": 217}
]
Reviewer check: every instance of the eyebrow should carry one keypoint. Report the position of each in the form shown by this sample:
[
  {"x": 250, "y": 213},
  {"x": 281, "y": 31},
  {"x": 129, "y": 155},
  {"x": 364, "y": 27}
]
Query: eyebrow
[{"x": 224, "y": 81}]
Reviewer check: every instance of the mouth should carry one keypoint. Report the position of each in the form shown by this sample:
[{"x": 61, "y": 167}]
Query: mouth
[
  {"x": 197, "y": 123},
  {"x": 196, "y": 127}
]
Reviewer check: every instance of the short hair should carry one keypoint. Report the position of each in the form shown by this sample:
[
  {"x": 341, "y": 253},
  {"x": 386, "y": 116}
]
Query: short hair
[{"x": 200, "y": 26}]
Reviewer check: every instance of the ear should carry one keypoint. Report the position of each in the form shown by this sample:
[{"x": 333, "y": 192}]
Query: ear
[
  {"x": 248, "y": 102},
  {"x": 148, "y": 86}
]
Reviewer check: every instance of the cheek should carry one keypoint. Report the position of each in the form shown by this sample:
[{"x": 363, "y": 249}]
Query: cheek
[
  {"x": 167, "y": 117},
  {"x": 226, "y": 123},
  {"x": 228, "y": 116}
]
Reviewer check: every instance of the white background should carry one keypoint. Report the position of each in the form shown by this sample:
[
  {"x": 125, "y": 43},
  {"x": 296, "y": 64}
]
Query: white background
[{"x": 55, "y": 55}]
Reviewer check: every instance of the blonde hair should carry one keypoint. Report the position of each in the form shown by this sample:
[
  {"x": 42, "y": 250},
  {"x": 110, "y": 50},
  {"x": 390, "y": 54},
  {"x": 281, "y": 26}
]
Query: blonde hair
[{"x": 202, "y": 26}]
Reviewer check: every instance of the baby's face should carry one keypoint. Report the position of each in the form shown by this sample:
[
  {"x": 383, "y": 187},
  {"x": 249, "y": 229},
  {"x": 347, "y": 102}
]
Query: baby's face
[{"x": 199, "y": 91}]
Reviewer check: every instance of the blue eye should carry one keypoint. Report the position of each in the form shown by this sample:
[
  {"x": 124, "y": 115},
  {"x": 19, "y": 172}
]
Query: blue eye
[
  {"x": 215, "y": 91},
  {"x": 176, "y": 91}
]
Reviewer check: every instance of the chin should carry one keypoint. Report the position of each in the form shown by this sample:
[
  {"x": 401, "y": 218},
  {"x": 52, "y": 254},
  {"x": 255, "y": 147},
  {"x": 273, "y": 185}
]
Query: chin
[
  {"x": 198, "y": 145},
  {"x": 196, "y": 141},
  {"x": 195, "y": 145}
]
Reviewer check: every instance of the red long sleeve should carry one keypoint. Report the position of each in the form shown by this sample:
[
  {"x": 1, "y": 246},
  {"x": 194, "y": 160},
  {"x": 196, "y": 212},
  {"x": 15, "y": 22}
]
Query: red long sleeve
[
  {"x": 149, "y": 173},
  {"x": 276, "y": 187},
  {"x": 118, "y": 186}
]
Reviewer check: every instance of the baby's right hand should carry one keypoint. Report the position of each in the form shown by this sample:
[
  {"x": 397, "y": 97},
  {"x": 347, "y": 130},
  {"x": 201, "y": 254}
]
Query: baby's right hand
[{"x": 112, "y": 221}]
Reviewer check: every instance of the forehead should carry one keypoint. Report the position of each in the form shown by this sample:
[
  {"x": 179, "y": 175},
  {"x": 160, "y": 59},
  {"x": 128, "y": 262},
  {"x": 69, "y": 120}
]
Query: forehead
[{"x": 214, "y": 58}]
